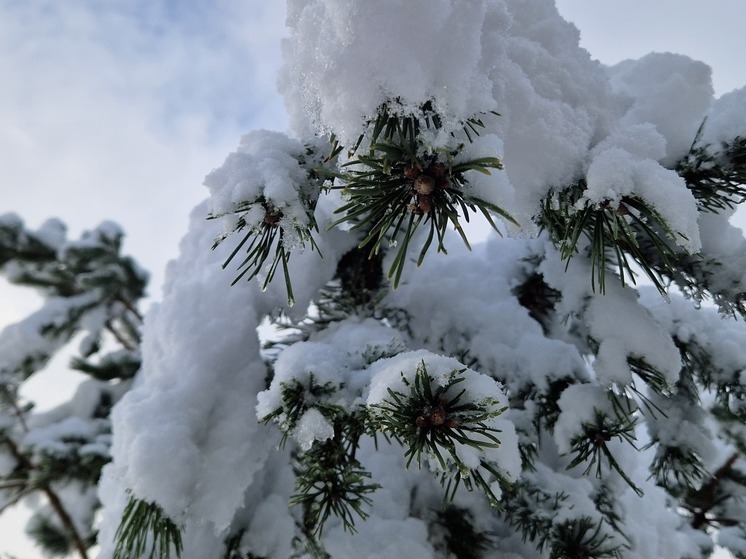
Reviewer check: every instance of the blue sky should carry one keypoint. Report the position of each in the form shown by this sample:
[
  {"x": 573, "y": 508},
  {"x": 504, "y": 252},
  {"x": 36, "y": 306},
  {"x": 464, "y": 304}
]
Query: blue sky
[{"x": 117, "y": 109}]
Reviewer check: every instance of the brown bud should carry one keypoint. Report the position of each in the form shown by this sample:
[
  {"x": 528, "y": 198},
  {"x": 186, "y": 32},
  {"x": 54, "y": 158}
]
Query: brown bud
[
  {"x": 425, "y": 204},
  {"x": 272, "y": 218},
  {"x": 437, "y": 170},
  {"x": 421, "y": 421},
  {"x": 412, "y": 171},
  {"x": 424, "y": 184},
  {"x": 438, "y": 416},
  {"x": 453, "y": 423}
]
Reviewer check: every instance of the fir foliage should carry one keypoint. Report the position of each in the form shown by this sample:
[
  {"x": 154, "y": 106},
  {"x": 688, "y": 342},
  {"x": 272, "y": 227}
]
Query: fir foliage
[
  {"x": 613, "y": 232},
  {"x": 274, "y": 236},
  {"x": 54, "y": 540},
  {"x": 591, "y": 446},
  {"x": 331, "y": 482},
  {"x": 394, "y": 181},
  {"x": 432, "y": 422},
  {"x": 145, "y": 527},
  {"x": 580, "y": 387},
  {"x": 267, "y": 240},
  {"x": 91, "y": 290},
  {"x": 462, "y": 539},
  {"x": 716, "y": 176}
]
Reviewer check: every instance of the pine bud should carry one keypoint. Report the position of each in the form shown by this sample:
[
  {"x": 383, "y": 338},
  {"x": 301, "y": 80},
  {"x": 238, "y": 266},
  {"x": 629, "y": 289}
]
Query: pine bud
[
  {"x": 424, "y": 184},
  {"x": 412, "y": 171},
  {"x": 453, "y": 423},
  {"x": 424, "y": 204},
  {"x": 437, "y": 170},
  {"x": 438, "y": 416},
  {"x": 272, "y": 218}
]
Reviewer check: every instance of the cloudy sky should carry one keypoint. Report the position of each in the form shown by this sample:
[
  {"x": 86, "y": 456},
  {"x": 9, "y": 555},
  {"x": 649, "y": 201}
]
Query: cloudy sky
[{"x": 117, "y": 109}]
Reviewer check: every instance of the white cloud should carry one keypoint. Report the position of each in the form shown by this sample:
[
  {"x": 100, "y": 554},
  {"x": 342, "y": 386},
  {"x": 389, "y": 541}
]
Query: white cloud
[{"x": 117, "y": 110}]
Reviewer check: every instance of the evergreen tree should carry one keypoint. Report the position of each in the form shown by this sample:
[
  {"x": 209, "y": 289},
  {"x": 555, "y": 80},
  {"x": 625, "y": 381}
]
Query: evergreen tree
[
  {"x": 91, "y": 293},
  {"x": 574, "y": 389}
]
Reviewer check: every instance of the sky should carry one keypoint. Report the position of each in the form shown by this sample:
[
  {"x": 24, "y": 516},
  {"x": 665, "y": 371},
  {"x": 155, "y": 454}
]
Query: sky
[{"x": 118, "y": 109}]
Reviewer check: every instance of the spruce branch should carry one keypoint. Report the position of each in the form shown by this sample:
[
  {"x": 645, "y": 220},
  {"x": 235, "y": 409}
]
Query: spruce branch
[
  {"x": 541, "y": 517},
  {"x": 331, "y": 482},
  {"x": 54, "y": 500},
  {"x": 531, "y": 509},
  {"x": 297, "y": 398},
  {"x": 271, "y": 229},
  {"x": 401, "y": 183},
  {"x": 583, "y": 538},
  {"x": 703, "y": 501},
  {"x": 715, "y": 176},
  {"x": 591, "y": 446},
  {"x": 267, "y": 241},
  {"x": 432, "y": 421},
  {"x": 49, "y": 536},
  {"x": 462, "y": 539},
  {"x": 145, "y": 525},
  {"x": 614, "y": 234},
  {"x": 676, "y": 467}
]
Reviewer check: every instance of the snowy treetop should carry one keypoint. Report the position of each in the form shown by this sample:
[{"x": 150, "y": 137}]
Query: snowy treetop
[{"x": 525, "y": 370}]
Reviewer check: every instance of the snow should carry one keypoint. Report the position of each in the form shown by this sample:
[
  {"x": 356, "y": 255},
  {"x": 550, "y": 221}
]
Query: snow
[
  {"x": 269, "y": 167},
  {"x": 724, "y": 243},
  {"x": 204, "y": 389},
  {"x": 52, "y": 233},
  {"x": 579, "y": 405},
  {"x": 201, "y": 427},
  {"x": 669, "y": 91},
  {"x": 625, "y": 164},
  {"x": 24, "y": 339},
  {"x": 344, "y": 74},
  {"x": 312, "y": 427},
  {"x": 641, "y": 338},
  {"x": 725, "y": 119},
  {"x": 7, "y": 464}
]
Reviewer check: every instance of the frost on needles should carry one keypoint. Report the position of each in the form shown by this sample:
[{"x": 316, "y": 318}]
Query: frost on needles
[{"x": 573, "y": 388}]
